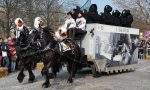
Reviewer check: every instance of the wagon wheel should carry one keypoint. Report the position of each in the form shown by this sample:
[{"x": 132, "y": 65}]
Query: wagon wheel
[{"x": 94, "y": 72}]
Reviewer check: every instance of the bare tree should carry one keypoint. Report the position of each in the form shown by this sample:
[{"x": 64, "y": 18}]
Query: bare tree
[
  {"x": 9, "y": 13},
  {"x": 52, "y": 11},
  {"x": 140, "y": 10}
]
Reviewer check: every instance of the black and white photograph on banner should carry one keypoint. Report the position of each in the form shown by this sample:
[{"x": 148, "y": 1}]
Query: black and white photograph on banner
[{"x": 118, "y": 49}]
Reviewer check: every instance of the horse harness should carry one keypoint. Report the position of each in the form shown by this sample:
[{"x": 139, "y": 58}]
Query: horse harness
[
  {"x": 61, "y": 53},
  {"x": 48, "y": 47}
]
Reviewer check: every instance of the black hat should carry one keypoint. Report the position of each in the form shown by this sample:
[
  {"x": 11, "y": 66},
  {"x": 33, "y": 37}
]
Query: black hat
[
  {"x": 128, "y": 11},
  {"x": 116, "y": 13},
  {"x": 77, "y": 8},
  {"x": 107, "y": 8},
  {"x": 70, "y": 13},
  {"x": 81, "y": 12},
  {"x": 93, "y": 6}
]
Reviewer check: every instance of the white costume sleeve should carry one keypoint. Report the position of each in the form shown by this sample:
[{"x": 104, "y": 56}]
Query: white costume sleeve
[
  {"x": 73, "y": 23},
  {"x": 82, "y": 23},
  {"x": 66, "y": 23},
  {"x": 57, "y": 35}
]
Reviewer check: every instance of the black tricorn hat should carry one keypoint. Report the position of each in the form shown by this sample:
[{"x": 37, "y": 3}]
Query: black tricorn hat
[
  {"x": 81, "y": 12},
  {"x": 70, "y": 13},
  {"x": 77, "y": 8}
]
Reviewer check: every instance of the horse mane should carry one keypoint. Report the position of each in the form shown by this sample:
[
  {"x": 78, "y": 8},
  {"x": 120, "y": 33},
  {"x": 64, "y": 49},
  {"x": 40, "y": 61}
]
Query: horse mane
[{"x": 49, "y": 33}]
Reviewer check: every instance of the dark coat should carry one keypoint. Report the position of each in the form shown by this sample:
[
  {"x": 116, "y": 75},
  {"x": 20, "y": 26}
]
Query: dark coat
[
  {"x": 126, "y": 18},
  {"x": 92, "y": 15},
  {"x": 107, "y": 18},
  {"x": 4, "y": 47},
  {"x": 116, "y": 18}
]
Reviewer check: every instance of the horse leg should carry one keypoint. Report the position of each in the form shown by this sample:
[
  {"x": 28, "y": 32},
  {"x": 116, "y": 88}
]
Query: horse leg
[
  {"x": 74, "y": 69},
  {"x": 69, "y": 68},
  {"x": 31, "y": 75},
  {"x": 54, "y": 69},
  {"x": 45, "y": 71},
  {"x": 70, "y": 80},
  {"x": 21, "y": 75}
]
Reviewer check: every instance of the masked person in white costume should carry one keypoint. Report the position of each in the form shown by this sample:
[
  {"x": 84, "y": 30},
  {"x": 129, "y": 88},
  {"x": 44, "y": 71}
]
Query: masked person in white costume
[{"x": 80, "y": 26}]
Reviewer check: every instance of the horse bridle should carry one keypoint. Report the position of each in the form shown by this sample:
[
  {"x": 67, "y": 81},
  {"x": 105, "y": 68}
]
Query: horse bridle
[{"x": 63, "y": 54}]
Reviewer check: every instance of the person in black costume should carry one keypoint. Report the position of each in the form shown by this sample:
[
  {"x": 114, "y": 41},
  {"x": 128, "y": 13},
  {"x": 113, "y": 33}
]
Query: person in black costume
[
  {"x": 126, "y": 18},
  {"x": 107, "y": 18},
  {"x": 129, "y": 18},
  {"x": 116, "y": 18},
  {"x": 92, "y": 15}
]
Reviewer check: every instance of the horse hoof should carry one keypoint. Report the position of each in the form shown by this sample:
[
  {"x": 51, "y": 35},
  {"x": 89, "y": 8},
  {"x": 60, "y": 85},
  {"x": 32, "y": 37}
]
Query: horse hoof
[
  {"x": 73, "y": 76},
  {"x": 55, "y": 75},
  {"x": 45, "y": 85},
  {"x": 31, "y": 79},
  {"x": 20, "y": 78},
  {"x": 51, "y": 76},
  {"x": 70, "y": 81}
]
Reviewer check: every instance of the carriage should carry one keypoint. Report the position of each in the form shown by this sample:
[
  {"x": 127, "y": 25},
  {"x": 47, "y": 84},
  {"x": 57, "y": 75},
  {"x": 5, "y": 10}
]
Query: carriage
[
  {"x": 110, "y": 49},
  {"x": 104, "y": 48}
]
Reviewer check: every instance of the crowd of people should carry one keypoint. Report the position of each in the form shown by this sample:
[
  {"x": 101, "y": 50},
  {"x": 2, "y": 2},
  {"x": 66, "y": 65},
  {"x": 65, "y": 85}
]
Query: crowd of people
[
  {"x": 7, "y": 53},
  {"x": 144, "y": 48}
]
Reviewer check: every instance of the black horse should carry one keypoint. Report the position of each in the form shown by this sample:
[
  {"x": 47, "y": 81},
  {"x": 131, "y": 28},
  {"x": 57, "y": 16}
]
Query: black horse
[
  {"x": 71, "y": 57},
  {"x": 50, "y": 55}
]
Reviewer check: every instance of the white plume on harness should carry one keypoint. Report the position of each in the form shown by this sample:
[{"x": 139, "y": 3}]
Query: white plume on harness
[
  {"x": 37, "y": 22},
  {"x": 62, "y": 30},
  {"x": 18, "y": 29}
]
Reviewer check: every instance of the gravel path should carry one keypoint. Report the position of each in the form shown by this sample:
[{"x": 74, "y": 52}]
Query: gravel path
[{"x": 137, "y": 80}]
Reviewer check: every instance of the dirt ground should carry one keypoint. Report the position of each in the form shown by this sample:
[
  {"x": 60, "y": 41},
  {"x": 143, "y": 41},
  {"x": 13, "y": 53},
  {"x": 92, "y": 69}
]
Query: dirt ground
[{"x": 137, "y": 80}]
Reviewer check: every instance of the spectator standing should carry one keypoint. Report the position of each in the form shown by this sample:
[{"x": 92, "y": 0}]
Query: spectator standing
[
  {"x": 5, "y": 52},
  {"x": 12, "y": 52}
]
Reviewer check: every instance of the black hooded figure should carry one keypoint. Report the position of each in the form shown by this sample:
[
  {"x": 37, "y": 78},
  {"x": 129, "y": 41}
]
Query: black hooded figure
[
  {"x": 126, "y": 18},
  {"x": 76, "y": 11},
  {"x": 107, "y": 18},
  {"x": 129, "y": 18},
  {"x": 92, "y": 15},
  {"x": 116, "y": 18}
]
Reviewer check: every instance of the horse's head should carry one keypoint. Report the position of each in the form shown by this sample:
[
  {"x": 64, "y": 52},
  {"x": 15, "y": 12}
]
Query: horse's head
[{"x": 48, "y": 35}]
